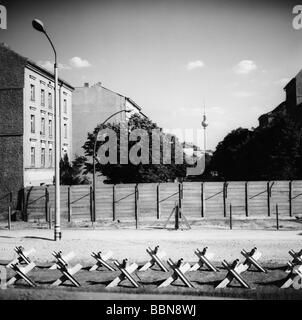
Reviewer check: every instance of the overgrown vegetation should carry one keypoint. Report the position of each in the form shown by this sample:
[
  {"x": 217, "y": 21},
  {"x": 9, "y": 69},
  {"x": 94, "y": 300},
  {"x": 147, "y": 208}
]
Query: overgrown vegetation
[
  {"x": 136, "y": 173},
  {"x": 265, "y": 153}
]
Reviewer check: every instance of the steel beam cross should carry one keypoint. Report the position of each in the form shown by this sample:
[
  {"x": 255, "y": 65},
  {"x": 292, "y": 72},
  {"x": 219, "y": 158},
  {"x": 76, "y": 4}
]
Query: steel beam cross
[
  {"x": 204, "y": 258},
  {"x": 156, "y": 257},
  {"x": 179, "y": 269},
  {"x": 234, "y": 272},
  {"x": 101, "y": 260},
  {"x": 251, "y": 258},
  {"x": 126, "y": 271}
]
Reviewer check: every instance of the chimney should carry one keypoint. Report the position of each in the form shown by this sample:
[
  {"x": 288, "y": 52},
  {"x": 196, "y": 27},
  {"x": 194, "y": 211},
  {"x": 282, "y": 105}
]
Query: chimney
[
  {"x": 4, "y": 44},
  {"x": 86, "y": 85}
]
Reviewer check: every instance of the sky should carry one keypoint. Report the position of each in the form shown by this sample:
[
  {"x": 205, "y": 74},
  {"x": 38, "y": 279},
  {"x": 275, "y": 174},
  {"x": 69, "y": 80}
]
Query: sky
[{"x": 170, "y": 56}]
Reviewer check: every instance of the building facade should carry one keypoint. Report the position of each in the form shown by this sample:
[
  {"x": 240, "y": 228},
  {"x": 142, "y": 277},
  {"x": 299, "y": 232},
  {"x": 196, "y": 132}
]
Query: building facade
[
  {"x": 292, "y": 106},
  {"x": 27, "y": 122},
  {"x": 91, "y": 106}
]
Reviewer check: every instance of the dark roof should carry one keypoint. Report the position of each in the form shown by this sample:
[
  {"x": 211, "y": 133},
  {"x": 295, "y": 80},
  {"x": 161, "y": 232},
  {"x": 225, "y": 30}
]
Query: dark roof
[
  {"x": 36, "y": 66},
  {"x": 290, "y": 83}
]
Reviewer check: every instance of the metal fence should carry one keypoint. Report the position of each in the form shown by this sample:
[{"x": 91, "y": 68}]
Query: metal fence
[{"x": 152, "y": 201}]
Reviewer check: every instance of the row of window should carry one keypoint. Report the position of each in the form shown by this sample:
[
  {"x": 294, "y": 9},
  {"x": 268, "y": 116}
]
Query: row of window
[
  {"x": 43, "y": 157},
  {"x": 43, "y": 126},
  {"x": 33, "y": 98}
]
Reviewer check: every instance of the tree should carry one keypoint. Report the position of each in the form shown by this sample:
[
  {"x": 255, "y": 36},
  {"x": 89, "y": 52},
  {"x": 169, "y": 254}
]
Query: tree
[
  {"x": 273, "y": 152},
  {"x": 229, "y": 159},
  {"x": 72, "y": 174},
  {"x": 135, "y": 173}
]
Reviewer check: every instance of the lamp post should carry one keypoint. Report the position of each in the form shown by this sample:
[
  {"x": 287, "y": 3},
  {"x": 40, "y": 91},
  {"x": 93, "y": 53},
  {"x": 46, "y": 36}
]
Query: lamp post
[
  {"x": 94, "y": 154},
  {"x": 39, "y": 26}
]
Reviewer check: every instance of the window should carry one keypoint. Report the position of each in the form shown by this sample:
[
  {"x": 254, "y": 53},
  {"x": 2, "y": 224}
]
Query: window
[
  {"x": 50, "y": 128},
  {"x": 42, "y": 97},
  {"x": 43, "y": 157},
  {"x": 65, "y": 130},
  {"x": 43, "y": 126},
  {"x": 50, "y": 155},
  {"x": 65, "y": 105},
  {"x": 49, "y": 100},
  {"x": 32, "y": 92},
  {"x": 32, "y": 124},
  {"x": 32, "y": 156}
]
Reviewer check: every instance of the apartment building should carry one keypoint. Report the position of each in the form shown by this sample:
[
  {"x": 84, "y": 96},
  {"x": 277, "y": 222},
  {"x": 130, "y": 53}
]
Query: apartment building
[
  {"x": 27, "y": 122},
  {"x": 94, "y": 104}
]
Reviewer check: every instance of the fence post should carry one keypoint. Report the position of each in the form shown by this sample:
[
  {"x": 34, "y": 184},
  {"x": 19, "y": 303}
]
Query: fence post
[
  {"x": 91, "y": 204},
  {"x": 69, "y": 204},
  {"x": 22, "y": 201},
  {"x": 290, "y": 195},
  {"x": 277, "y": 217},
  {"x": 49, "y": 217},
  {"x": 46, "y": 203},
  {"x": 113, "y": 203},
  {"x": 24, "y": 213},
  {"x": 225, "y": 195},
  {"x": 246, "y": 199},
  {"x": 268, "y": 199},
  {"x": 158, "y": 201},
  {"x": 180, "y": 197},
  {"x": 136, "y": 196},
  {"x": 202, "y": 200},
  {"x": 10, "y": 210},
  {"x": 231, "y": 222},
  {"x": 176, "y": 217}
]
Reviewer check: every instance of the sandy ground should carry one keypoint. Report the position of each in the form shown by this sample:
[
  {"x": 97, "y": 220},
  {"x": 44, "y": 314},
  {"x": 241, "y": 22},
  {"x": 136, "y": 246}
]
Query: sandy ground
[
  {"x": 132, "y": 244},
  {"x": 128, "y": 243}
]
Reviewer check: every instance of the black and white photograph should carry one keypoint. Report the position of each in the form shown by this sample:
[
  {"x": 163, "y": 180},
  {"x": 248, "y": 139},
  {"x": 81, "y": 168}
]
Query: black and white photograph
[{"x": 150, "y": 153}]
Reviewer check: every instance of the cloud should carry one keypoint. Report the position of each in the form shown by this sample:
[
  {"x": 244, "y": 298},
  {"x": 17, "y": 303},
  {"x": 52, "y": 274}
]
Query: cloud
[
  {"x": 195, "y": 65},
  {"x": 78, "y": 62},
  {"x": 48, "y": 65},
  {"x": 188, "y": 112},
  {"x": 245, "y": 67},
  {"x": 242, "y": 94}
]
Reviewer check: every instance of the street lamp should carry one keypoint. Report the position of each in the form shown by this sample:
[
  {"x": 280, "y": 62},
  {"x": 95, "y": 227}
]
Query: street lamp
[
  {"x": 39, "y": 26},
  {"x": 94, "y": 152}
]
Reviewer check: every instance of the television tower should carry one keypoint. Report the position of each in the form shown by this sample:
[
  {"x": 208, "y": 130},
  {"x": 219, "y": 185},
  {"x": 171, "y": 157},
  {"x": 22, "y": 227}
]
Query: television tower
[{"x": 204, "y": 125}]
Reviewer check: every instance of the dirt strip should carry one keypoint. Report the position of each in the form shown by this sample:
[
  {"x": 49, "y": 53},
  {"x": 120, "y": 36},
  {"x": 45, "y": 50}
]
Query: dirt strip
[{"x": 132, "y": 244}]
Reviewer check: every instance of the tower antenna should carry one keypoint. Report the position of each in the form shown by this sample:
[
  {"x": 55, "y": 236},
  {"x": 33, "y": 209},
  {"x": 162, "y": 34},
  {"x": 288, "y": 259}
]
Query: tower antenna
[{"x": 204, "y": 124}]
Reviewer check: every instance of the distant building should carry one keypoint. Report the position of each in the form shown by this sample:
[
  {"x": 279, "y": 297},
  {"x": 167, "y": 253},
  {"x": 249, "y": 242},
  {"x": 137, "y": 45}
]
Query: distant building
[
  {"x": 27, "y": 122},
  {"x": 94, "y": 104},
  {"x": 292, "y": 105},
  {"x": 192, "y": 150}
]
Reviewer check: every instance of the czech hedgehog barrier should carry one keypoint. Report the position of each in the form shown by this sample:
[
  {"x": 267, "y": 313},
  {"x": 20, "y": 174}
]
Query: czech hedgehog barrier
[
  {"x": 150, "y": 201},
  {"x": 22, "y": 265}
]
